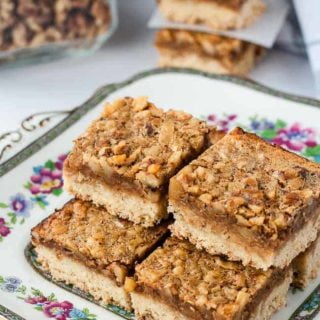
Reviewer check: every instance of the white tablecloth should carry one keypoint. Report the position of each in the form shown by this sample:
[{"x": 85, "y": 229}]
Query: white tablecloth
[{"x": 66, "y": 83}]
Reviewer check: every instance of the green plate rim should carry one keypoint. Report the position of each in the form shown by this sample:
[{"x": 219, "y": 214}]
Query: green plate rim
[{"x": 79, "y": 111}]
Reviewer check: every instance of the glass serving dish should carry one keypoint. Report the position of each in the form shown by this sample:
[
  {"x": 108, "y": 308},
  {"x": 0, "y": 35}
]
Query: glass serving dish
[{"x": 41, "y": 30}]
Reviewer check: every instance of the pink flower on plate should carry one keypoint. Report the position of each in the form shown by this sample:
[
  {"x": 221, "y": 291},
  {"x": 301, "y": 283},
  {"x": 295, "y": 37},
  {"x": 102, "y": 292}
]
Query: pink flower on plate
[
  {"x": 20, "y": 205},
  {"x": 296, "y": 138},
  {"x": 46, "y": 181},
  {"x": 37, "y": 300},
  {"x": 4, "y": 230},
  {"x": 224, "y": 123},
  {"x": 58, "y": 310}
]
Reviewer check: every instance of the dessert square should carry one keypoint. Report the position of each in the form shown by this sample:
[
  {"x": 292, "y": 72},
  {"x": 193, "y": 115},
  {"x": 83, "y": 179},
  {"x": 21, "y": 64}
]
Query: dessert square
[
  {"x": 206, "y": 52},
  {"x": 216, "y": 14},
  {"x": 125, "y": 159},
  {"x": 179, "y": 282},
  {"x": 96, "y": 252},
  {"x": 306, "y": 265},
  {"x": 249, "y": 200}
]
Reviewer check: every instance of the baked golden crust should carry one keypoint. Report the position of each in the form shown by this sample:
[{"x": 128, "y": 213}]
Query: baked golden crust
[
  {"x": 202, "y": 285},
  {"x": 243, "y": 180},
  {"x": 137, "y": 145},
  {"x": 101, "y": 241}
]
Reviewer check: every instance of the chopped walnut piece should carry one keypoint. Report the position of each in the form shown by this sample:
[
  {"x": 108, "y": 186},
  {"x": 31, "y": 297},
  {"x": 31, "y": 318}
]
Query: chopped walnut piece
[{"x": 98, "y": 239}]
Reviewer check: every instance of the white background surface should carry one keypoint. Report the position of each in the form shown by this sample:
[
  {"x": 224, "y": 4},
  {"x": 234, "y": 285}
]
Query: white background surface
[{"x": 67, "y": 83}]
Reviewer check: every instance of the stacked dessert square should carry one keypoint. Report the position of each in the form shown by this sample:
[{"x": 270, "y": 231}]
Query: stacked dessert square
[
  {"x": 119, "y": 172},
  {"x": 206, "y": 51},
  {"x": 245, "y": 218},
  {"x": 125, "y": 159}
]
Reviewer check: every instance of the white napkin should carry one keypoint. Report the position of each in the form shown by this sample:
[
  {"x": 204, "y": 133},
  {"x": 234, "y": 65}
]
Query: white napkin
[
  {"x": 308, "y": 12},
  {"x": 264, "y": 32},
  {"x": 290, "y": 37}
]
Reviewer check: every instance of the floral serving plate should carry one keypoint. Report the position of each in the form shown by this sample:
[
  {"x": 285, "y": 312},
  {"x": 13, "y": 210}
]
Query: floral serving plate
[{"x": 31, "y": 184}]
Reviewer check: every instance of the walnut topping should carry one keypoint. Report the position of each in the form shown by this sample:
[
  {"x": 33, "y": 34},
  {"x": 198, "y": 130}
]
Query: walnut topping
[
  {"x": 135, "y": 140},
  {"x": 32, "y": 23},
  {"x": 183, "y": 274},
  {"x": 129, "y": 284},
  {"x": 103, "y": 241},
  {"x": 266, "y": 193},
  {"x": 154, "y": 168}
]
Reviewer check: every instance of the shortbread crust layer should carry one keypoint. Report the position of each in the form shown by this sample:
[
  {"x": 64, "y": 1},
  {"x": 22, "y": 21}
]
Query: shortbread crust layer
[
  {"x": 306, "y": 265},
  {"x": 71, "y": 271},
  {"x": 118, "y": 202}
]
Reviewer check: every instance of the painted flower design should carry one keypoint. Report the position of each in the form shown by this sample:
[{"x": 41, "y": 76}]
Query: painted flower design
[
  {"x": 58, "y": 310},
  {"x": 258, "y": 126},
  {"x": 296, "y": 138},
  {"x": 39, "y": 301},
  {"x": 47, "y": 178},
  {"x": 20, "y": 205},
  {"x": 224, "y": 123},
  {"x": 10, "y": 284},
  {"x": 4, "y": 230}
]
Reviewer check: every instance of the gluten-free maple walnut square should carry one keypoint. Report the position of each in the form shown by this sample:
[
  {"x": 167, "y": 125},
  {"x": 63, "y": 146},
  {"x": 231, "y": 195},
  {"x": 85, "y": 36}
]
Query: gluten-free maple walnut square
[
  {"x": 84, "y": 245},
  {"x": 125, "y": 159},
  {"x": 249, "y": 200},
  {"x": 207, "y": 52},
  {"x": 177, "y": 281}
]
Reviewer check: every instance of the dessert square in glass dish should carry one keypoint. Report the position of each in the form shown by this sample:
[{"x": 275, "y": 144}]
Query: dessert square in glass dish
[{"x": 33, "y": 31}]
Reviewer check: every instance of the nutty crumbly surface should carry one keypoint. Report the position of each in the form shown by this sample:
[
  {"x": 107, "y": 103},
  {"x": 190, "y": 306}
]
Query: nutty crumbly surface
[
  {"x": 245, "y": 181},
  {"x": 95, "y": 237},
  {"x": 138, "y": 143},
  {"x": 228, "y": 50},
  {"x": 33, "y": 23},
  {"x": 200, "y": 284}
]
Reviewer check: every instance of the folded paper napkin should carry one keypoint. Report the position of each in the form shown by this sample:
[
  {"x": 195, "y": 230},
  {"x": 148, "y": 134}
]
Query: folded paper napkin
[
  {"x": 301, "y": 33},
  {"x": 308, "y": 13},
  {"x": 264, "y": 32}
]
